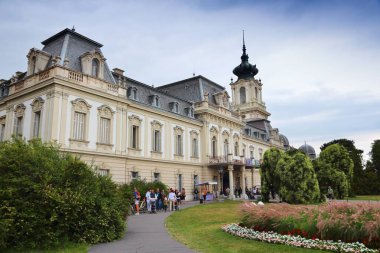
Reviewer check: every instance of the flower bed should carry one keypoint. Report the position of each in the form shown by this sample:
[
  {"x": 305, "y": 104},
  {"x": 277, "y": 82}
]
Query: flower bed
[
  {"x": 296, "y": 241},
  {"x": 348, "y": 222}
]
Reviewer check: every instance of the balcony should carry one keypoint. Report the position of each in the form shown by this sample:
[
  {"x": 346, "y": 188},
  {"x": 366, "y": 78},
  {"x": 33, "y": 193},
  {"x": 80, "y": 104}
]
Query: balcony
[{"x": 253, "y": 163}]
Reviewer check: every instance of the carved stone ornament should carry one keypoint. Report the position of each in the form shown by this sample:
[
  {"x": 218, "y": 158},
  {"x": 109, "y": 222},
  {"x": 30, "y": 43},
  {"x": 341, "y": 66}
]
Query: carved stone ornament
[
  {"x": 37, "y": 104},
  {"x": 81, "y": 105},
  {"x": 19, "y": 110},
  {"x": 214, "y": 130},
  {"x": 135, "y": 120},
  {"x": 178, "y": 130},
  {"x": 156, "y": 125},
  {"x": 194, "y": 134},
  {"x": 236, "y": 136},
  {"x": 226, "y": 133},
  {"x": 105, "y": 111}
]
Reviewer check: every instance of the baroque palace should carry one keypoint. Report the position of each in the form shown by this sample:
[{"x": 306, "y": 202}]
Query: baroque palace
[{"x": 181, "y": 133}]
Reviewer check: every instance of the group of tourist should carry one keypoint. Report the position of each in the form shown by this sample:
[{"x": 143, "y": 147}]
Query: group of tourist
[{"x": 159, "y": 200}]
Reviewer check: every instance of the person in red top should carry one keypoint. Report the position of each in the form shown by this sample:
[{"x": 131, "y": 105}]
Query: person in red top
[
  {"x": 137, "y": 196},
  {"x": 204, "y": 194}
]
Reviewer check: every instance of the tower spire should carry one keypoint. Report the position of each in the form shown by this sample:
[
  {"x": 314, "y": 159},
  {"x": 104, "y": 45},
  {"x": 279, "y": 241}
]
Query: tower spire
[{"x": 244, "y": 49}]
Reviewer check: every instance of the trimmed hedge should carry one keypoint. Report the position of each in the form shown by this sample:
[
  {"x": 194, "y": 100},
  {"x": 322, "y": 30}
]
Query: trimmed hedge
[{"x": 47, "y": 197}]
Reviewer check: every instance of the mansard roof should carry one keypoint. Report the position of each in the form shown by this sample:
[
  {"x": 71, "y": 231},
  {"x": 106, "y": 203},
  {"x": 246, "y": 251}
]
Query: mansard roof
[
  {"x": 193, "y": 89},
  {"x": 144, "y": 92},
  {"x": 71, "y": 45}
]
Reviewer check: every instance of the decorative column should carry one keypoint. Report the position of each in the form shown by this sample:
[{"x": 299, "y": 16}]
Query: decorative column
[
  {"x": 231, "y": 175},
  {"x": 244, "y": 195}
]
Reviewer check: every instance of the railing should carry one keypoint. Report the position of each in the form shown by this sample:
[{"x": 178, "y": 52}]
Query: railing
[
  {"x": 44, "y": 75},
  {"x": 76, "y": 76},
  {"x": 217, "y": 159},
  {"x": 252, "y": 162},
  {"x": 113, "y": 87}
]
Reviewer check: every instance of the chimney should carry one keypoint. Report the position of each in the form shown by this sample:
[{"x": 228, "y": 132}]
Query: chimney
[{"x": 118, "y": 71}]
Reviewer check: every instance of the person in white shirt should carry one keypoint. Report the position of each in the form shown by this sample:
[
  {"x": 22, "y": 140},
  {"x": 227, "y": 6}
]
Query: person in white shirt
[
  {"x": 147, "y": 197},
  {"x": 172, "y": 199}
]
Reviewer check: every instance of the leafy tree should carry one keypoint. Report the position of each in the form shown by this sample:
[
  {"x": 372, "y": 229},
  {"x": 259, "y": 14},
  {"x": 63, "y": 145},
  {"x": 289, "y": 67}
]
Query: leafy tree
[
  {"x": 334, "y": 168},
  {"x": 356, "y": 156},
  {"x": 299, "y": 184},
  {"x": 47, "y": 197},
  {"x": 270, "y": 181},
  {"x": 375, "y": 156}
]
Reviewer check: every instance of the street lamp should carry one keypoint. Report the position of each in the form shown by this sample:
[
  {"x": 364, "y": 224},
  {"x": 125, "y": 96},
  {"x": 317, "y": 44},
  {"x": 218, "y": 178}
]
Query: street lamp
[{"x": 221, "y": 180}]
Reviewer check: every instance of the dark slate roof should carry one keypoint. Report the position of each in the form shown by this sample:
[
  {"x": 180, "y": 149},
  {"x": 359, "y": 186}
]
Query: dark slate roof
[
  {"x": 193, "y": 89},
  {"x": 144, "y": 92},
  {"x": 71, "y": 45},
  {"x": 262, "y": 124}
]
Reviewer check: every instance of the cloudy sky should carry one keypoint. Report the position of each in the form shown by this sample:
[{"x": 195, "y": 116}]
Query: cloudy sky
[{"x": 319, "y": 60}]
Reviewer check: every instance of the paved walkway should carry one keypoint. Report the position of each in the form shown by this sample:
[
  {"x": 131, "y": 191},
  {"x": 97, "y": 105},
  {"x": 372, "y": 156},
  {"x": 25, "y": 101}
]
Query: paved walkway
[{"x": 146, "y": 233}]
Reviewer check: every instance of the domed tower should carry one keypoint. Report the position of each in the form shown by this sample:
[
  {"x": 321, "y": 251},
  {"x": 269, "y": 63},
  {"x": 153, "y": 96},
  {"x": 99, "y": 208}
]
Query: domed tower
[
  {"x": 247, "y": 90},
  {"x": 308, "y": 150}
]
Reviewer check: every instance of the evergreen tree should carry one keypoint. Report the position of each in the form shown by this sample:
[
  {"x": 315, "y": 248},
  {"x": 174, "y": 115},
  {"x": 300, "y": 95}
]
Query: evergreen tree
[
  {"x": 270, "y": 181},
  {"x": 334, "y": 168},
  {"x": 356, "y": 156},
  {"x": 299, "y": 184}
]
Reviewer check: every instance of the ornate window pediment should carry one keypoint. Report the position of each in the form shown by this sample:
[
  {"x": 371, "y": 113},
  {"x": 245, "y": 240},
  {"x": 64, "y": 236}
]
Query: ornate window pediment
[
  {"x": 236, "y": 137},
  {"x": 214, "y": 130},
  {"x": 226, "y": 134},
  {"x": 81, "y": 105},
  {"x": 194, "y": 134},
  {"x": 105, "y": 111},
  {"x": 156, "y": 125},
  {"x": 135, "y": 120},
  {"x": 178, "y": 130},
  {"x": 37, "y": 104},
  {"x": 19, "y": 110}
]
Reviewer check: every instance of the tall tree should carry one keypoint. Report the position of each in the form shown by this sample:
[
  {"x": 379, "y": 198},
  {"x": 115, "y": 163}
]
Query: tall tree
[
  {"x": 356, "y": 156},
  {"x": 375, "y": 156},
  {"x": 270, "y": 181},
  {"x": 299, "y": 184},
  {"x": 334, "y": 168}
]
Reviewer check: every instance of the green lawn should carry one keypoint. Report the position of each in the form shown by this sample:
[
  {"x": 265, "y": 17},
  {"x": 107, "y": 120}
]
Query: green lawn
[
  {"x": 366, "y": 197},
  {"x": 199, "y": 228},
  {"x": 66, "y": 248}
]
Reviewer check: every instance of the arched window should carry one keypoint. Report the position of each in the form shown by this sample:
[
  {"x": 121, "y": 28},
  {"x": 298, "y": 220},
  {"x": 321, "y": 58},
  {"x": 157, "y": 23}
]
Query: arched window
[
  {"x": 225, "y": 147},
  {"x": 213, "y": 146},
  {"x": 236, "y": 149},
  {"x": 33, "y": 64},
  {"x": 95, "y": 67},
  {"x": 242, "y": 95}
]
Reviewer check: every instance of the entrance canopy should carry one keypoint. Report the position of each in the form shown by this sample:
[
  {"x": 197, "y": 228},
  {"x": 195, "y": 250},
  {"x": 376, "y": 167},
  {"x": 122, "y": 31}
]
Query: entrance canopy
[{"x": 207, "y": 183}]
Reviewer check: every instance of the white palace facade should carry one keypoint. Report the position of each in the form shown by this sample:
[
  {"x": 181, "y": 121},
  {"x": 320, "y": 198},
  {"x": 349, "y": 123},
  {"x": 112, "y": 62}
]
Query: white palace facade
[{"x": 181, "y": 133}]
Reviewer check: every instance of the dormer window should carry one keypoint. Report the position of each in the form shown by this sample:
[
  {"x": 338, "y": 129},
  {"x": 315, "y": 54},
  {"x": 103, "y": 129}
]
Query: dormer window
[
  {"x": 154, "y": 100},
  {"x": 189, "y": 112},
  {"x": 174, "y": 107},
  {"x": 95, "y": 67},
  {"x": 132, "y": 93}
]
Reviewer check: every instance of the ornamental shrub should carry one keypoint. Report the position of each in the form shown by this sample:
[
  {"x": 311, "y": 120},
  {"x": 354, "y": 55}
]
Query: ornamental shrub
[{"x": 47, "y": 197}]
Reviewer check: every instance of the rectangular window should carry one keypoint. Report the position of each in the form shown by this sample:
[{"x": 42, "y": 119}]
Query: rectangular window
[
  {"x": 157, "y": 141},
  {"x": 79, "y": 126},
  {"x": 18, "y": 126},
  {"x": 195, "y": 147},
  {"x": 135, "y": 175},
  {"x": 179, "y": 145},
  {"x": 135, "y": 137},
  {"x": 103, "y": 172},
  {"x": 105, "y": 131},
  {"x": 196, "y": 180},
  {"x": 156, "y": 176},
  {"x": 179, "y": 181},
  {"x": 36, "y": 124},
  {"x": 251, "y": 154}
]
